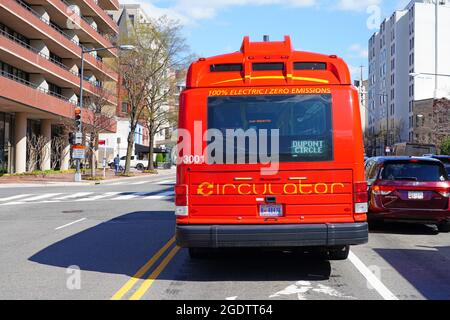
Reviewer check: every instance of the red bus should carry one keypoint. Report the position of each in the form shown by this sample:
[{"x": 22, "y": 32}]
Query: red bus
[{"x": 287, "y": 166}]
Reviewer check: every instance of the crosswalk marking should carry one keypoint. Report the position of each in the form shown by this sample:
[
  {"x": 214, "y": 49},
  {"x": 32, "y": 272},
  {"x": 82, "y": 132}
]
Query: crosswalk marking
[
  {"x": 101, "y": 196},
  {"x": 160, "y": 195},
  {"x": 130, "y": 196},
  {"x": 166, "y": 182},
  {"x": 40, "y": 197},
  {"x": 15, "y": 197},
  {"x": 139, "y": 183},
  {"x": 75, "y": 195},
  {"x": 83, "y": 197}
]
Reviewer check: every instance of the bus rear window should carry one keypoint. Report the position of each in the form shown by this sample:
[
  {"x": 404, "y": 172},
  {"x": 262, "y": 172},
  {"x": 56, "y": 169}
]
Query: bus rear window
[
  {"x": 413, "y": 171},
  {"x": 304, "y": 123}
]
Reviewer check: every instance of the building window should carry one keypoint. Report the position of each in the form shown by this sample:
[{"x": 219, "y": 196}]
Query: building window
[
  {"x": 53, "y": 88},
  {"x": 125, "y": 107},
  {"x": 131, "y": 17}
]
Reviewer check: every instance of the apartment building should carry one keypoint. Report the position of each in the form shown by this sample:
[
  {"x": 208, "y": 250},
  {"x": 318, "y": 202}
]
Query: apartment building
[
  {"x": 408, "y": 62},
  {"x": 41, "y": 44}
]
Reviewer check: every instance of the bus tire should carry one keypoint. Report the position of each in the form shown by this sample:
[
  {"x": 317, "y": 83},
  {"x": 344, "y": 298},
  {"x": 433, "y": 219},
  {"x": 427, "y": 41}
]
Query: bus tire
[
  {"x": 444, "y": 227},
  {"x": 198, "y": 253},
  {"x": 339, "y": 253}
]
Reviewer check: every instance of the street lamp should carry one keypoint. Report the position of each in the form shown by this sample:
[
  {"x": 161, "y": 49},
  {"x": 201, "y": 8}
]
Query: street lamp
[{"x": 125, "y": 47}]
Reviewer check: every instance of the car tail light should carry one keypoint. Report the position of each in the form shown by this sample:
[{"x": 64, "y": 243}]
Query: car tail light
[
  {"x": 361, "y": 197},
  {"x": 181, "y": 200},
  {"x": 444, "y": 192},
  {"x": 383, "y": 190}
]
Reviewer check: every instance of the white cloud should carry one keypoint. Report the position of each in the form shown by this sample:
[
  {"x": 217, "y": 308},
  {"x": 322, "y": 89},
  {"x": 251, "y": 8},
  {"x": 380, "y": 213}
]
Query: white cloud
[
  {"x": 357, "y": 5},
  {"x": 190, "y": 11},
  {"x": 358, "y": 51}
]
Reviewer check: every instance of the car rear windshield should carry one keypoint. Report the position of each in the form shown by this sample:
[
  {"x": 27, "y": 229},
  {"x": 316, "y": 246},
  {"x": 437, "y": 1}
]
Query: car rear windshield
[
  {"x": 414, "y": 171},
  {"x": 304, "y": 123}
]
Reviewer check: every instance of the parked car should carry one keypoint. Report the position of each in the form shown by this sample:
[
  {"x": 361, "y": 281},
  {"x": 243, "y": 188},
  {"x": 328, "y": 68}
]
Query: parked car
[
  {"x": 135, "y": 163},
  {"x": 409, "y": 189},
  {"x": 443, "y": 158}
]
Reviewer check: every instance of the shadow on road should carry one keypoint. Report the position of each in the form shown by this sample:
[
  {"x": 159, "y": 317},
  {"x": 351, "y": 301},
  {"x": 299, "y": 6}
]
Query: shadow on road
[
  {"x": 403, "y": 228},
  {"x": 121, "y": 245},
  {"x": 251, "y": 265},
  {"x": 124, "y": 244},
  {"x": 426, "y": 268}
]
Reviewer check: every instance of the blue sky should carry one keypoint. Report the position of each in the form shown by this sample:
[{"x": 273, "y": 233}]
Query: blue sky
[{"x": 337, "y": 27}]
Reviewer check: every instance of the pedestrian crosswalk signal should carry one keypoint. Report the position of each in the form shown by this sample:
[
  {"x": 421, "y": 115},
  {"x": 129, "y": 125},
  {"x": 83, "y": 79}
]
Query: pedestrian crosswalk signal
[{"x": 78, "y": 119}]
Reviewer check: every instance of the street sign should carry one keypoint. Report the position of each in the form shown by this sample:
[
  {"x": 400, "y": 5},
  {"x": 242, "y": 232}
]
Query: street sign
[
  {"x": 78, "y": 138},
  {"x": 388, "y": 149},
  {"x": 78, "y": 152},
  {"x": 101, "y": 142}
]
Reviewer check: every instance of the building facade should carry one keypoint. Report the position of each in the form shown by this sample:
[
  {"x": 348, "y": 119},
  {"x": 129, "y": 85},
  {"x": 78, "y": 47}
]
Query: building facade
[
  {"x": 404, "y": 61},
  {"x": 41, "y": 44}
]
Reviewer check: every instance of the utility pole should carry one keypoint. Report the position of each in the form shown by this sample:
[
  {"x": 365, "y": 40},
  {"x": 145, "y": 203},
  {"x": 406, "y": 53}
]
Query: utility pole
[{"x": 436, "y": 47}]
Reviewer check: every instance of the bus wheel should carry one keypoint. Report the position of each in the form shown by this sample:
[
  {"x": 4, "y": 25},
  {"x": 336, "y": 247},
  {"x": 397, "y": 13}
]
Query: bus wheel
[
  {"x": 339, "y": 253},
  {"x": 198, "y": 253}
]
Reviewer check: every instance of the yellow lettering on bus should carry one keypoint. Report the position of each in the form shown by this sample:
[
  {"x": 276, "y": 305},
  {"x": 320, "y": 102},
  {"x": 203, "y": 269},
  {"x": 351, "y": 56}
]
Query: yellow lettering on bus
[
  {"x": 290, "y": 185},
  {"x": 336, "y": 185},
  {"x": 244, "y": 185},
  {"x": 316, "y": 188}
]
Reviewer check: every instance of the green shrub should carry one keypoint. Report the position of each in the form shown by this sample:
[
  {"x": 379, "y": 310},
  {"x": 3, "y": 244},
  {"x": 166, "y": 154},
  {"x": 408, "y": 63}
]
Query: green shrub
[
  {"x": 159, "y": 158},
  {"x": 445, "y": 147}
]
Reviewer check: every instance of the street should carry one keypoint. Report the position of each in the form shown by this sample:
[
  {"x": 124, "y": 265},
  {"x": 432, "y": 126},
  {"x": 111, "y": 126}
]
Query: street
[{"x": 115, "y": 241}]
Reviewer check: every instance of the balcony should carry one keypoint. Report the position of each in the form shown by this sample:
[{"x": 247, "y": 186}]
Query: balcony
[
  {"x": 18, "y": 53},
  {"x": 92, "y": 9},
  {"x": 61, "y": 13},
  {"x": 27, "y": 21},
  {"x": 109, "y": 4},
  {"x": 19, "y": 95},
  {"x": 28, "y": 97}
]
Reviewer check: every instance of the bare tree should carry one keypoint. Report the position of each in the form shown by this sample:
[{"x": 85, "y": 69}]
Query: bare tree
[
  {"x": 37, "y": 151},
  {"x": 148, "y": 75},
  {"x": 100, "y": 117}
]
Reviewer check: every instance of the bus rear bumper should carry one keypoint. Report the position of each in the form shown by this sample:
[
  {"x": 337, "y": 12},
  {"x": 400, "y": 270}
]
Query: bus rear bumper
[{"x": 309, "y": 235}]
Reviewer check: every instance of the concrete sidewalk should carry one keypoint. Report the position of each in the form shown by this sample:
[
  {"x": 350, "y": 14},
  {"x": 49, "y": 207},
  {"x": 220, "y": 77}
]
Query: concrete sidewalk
[{"x": 64, "y": 179}]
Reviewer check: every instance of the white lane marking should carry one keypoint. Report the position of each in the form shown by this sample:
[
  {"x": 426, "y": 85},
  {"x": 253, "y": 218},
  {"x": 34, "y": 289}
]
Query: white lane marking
[
  {"x": 371, "y": 278},
  {"x": 303, "y": 288},
  {"x": 130, "y": 196},
  {"x": 116, "y": 184},
  {"x": 160, "y": 195},
  {"x": 40, "y": 197},
  {"x": 231, "y": 298},
  {"x": 71, "y": 223},
  {"x": 138, "y": 183},
  {"x": 101, "y": 196},
  {"x": 75, "y": 195},
  {"x": 171, "y": 181},
  {"x": 16, "y": 197}
]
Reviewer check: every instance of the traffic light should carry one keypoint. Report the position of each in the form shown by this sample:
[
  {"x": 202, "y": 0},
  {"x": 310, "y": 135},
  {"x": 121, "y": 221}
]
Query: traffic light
[
  {"x": 78, "y": 119},
  {"x": 71, "y": 138}
]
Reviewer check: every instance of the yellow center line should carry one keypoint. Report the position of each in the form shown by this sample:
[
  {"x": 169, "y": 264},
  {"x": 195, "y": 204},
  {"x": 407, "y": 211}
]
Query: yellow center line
[
  {"x": 130, "y": 283},
  {"x": 151, "y": 278}
]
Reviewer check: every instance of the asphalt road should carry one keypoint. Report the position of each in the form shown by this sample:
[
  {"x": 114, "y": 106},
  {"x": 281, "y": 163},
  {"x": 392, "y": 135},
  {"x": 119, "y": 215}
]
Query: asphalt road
[{"x": 115, "y": 241}]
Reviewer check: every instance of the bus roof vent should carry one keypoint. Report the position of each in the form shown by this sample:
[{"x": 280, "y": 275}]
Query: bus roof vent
[{"x": 282, "y": 48}]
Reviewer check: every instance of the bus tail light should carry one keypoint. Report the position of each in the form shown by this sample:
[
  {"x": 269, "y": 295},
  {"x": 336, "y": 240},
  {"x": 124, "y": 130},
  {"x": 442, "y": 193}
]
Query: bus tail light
[
  {"x": 361, "y": 197},
  {"x": 181, "y": 200}
]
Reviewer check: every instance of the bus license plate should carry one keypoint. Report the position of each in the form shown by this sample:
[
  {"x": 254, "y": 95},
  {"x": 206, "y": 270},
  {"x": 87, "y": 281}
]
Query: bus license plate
[
  {"x": 414, "y": 195},
  {"x": 271, "y": 210}
]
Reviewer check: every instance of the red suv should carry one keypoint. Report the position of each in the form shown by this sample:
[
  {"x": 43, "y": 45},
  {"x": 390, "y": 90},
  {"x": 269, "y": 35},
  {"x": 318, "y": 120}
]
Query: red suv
[{"x": 409, "y": 189}]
